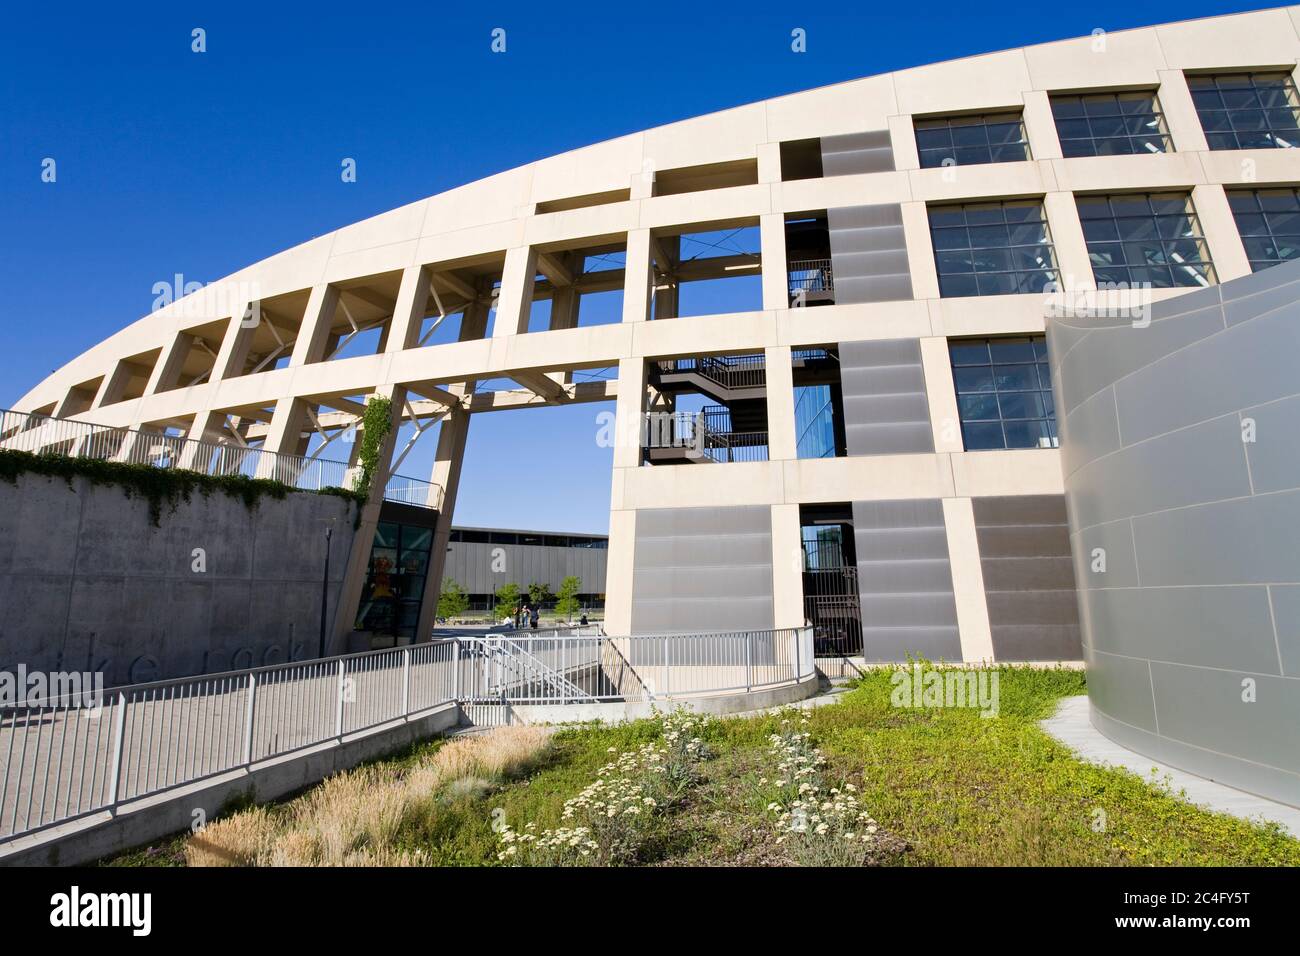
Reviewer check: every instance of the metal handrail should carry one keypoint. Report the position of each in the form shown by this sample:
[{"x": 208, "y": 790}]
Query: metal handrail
[
  {"x": 61, "y": 762},
  {"x": 46, "y": 435},
  {"x": 811, "y": 275}
]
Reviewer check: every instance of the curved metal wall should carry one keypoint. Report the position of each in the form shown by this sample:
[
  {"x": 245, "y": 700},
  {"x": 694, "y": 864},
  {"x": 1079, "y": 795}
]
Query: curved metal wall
[{"x": 1181, "y": 452}]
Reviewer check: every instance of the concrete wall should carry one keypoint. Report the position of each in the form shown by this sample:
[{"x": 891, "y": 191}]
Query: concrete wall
[
  {"x": 88, "y": 583},
  {"x": 1181, "y": 444}
]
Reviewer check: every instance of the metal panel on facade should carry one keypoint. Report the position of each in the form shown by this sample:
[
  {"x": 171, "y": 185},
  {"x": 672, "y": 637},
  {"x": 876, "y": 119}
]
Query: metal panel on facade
[
  {"x": 1184, "y": 497},
  {"x": 473, "y": 565},
  {"x": 906, "y": 581},
  {"x": 1024, "y": 544},
  {"x": 886, "y": 411},
  {"x": 702, "y": 569},
  {"x": 869, "y": 254},
  {"x": 852, "y": 153}
]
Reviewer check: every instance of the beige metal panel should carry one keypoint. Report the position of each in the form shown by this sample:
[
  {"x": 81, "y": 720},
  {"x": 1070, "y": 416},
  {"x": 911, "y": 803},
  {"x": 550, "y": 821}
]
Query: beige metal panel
[
  {"x": 920, "y": 251},
  {"x": 978, "y": 82},
  {"x": 967, "y": 580},
  {"x": 902, "y": 137},
  {"x": 1040, "y": 126},
  {"x": 787, "y": 567},
  {"x": 868, "y": 478},
  {"x": 1252, "y": 168},
  {"x": 990, "y": 315},
  {"x": 370, "y": 262},
  {"x": 735, "y": 331},
  {"x": 1119, "y": 173},
  {"x": 1075, "y": 269},
  {"x": 772, "y": 238},
  {"x": 715, "y": 138},
  {"x": 1259, "y": 38},
  {"x": 803, "y": 195},
  {"x": 600, "y": 167},
  {"x": 1220, "y": 230},
  {"x": 1024, "y": 471},
  {"x": 703, "y": 486},
  {"x": 403, "y": 224},
  {"x": 852, "y": 107},
  {"x": 992, "y": 180},
  {"x": 780, "y": 404},
  {"x": 571, "y": 225},
  {"x": 1180, "y": 112},
  {"x": 708, "y": 206},
  {"x": 941, "y": 393},
  {"x": 846, "y": 323},
  {"x": 619, "y": 570},
  {"x": 1122, "y": 58}
]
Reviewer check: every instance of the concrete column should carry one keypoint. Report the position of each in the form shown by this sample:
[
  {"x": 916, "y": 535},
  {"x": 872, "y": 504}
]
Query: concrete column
[
  {"x": 112, "y": 386},
  {"x": 1040, "y": 126},
  {"x": 902, "y": 140},
  {"x": 1220, "y": 230},
  {"x": 565, "y": 300},
  {"x": 283, "y": 435},
  {"x": 780, "y": 405},
  {"x": 619, "y": 571},
  {"x": 941, "y": 393},
  {"x": 628, "y": 413},
  {"x": 314, "y": 333},
  {"x": 776, "y": 281},
  {"x": 474, "y": 321},
  {"x": 453, "y": 433},
  {"x": 1180, "y": 113},
  {"x": 516, "y": 298},
  {"x": 787, "y": 567},
  {"x": 408, "y": 312},
  {"x": 967, "y": 580},
  {"x": 233, "y": 351},
  {"x": 665, "y": 299},
  {"x": 920, "y": 253},
  {"x": 359, "y": 558},
  {"x": 769, "y": 162},
  {"x": 1067, "y": 239},
  {"x": 637, "y": 277},
  {"x": 167, "y": 369},
  {"x": 202, "y": 429}
]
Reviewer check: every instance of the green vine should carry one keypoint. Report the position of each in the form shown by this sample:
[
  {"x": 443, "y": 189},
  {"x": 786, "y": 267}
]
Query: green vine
[
  {"x": 158, "y": 486},
  {"x": 376, "y": 422}
]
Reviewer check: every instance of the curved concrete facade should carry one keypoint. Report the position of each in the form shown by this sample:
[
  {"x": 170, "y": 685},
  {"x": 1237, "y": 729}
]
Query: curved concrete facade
[
  {"x": 1181, "y": 450},
  {"x": 961, "y": 549}
]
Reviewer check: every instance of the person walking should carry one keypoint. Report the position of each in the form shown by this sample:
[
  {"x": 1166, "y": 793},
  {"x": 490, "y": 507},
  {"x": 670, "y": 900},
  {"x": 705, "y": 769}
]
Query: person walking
[{"x": 533, "y": 615}]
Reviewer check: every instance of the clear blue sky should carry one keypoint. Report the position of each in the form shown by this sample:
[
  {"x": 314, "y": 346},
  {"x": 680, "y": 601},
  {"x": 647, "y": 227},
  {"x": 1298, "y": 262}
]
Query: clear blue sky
[{"x": 175, "y": 162}]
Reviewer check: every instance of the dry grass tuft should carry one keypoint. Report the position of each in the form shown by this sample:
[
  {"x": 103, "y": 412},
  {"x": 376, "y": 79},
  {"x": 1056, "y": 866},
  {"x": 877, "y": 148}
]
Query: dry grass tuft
[{"x": 354, "y": 818}]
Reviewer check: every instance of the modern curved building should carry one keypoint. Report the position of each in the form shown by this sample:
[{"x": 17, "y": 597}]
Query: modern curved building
[{"x": 827, "y": 316}]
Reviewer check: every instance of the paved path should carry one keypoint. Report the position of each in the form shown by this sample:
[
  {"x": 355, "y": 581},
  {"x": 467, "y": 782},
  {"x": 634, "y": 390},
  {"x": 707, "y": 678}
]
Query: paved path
[{"x": 1072, "y": 727}]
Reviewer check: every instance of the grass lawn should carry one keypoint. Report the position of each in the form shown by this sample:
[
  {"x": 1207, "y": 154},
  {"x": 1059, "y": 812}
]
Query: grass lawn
[{"x": 946, "y": 786}]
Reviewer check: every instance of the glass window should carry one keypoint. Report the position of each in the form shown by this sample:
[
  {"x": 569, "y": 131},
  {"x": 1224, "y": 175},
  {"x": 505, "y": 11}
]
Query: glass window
[
  {"x": 1004, "y": 392},
  {"x": 1269, "y": 223},
  {"x": 992, "y": 248},
  {"x": 971, "y": 140},
  {"x": 1247, "y": 110},
  {"x": 1110, "y": 124},
  {"x": 814, "y": 421},
  {"x": 1140, "y": 239}
]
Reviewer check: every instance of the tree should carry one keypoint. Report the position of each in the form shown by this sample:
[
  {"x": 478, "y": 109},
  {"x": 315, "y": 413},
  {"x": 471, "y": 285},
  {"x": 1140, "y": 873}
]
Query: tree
[
  {"x": 568, "y": 597},
  {"x": 508, "y": 598},
  {"x": 453, "y": 601},
  {"x": 537, "y": 593}
]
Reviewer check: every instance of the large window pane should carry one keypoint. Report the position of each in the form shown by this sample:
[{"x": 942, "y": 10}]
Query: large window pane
[
  {"x": 992, "y": 248},
  {"x": 1160, "y": 245},
  {"x": 1247, "y": 110},
  {"x": 1110, "y": 124},
  {"x": 971, "y": 140},
  {"x": 1269, "y": 223},
  {"x": 1004, "y": 392}
]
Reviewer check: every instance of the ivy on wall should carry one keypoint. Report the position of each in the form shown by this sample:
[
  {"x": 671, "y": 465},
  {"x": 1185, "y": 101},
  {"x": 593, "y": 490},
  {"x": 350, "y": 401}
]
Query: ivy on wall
[
  {"x": 158, "y": 486},
  {"x": 376, "y": 422}
]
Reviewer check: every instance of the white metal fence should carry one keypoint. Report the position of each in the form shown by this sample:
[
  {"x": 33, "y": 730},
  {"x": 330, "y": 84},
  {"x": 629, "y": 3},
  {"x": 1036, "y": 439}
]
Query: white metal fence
[
  {"x": 43, "y": 435},
  {"x": 60, "y": 761}
]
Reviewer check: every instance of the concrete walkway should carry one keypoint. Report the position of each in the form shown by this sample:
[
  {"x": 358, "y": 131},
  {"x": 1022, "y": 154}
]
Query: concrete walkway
[{"x": 1072, "y": 727}]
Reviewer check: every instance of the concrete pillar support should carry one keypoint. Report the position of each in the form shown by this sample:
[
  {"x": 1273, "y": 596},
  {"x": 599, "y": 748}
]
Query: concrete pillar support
[
  {"x": 408, "y": 311},
  {"x": 637, "y": 277},
  {"x": 1227, "y": 251},
  {"x": 453, "y": 432},
  {"x": 967, "y": 580},
  {"x": 313, "y": 334},
  {"x": 776, "y": 283},
  {"x": 787, "y": 567},
  {"x": 516, "y": 299},
  {"x": 780, "y": 404}
]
